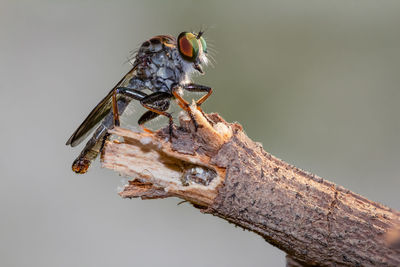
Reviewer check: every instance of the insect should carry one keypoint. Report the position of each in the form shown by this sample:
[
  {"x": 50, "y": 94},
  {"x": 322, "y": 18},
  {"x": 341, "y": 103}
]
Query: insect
[{"x": 163, "y": 65}]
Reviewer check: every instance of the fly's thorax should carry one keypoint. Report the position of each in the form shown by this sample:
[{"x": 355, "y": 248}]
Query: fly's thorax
[
  {"x": 159, "y": 68},
  {"x": 156, "y": 44},
  {"x": 161, "y": 65},
  {"x": 157, "y": 72}
]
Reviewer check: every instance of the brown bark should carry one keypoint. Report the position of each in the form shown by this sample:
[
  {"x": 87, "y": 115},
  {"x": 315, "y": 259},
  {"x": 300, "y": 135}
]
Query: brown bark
[{"x": 224, "y": 173}]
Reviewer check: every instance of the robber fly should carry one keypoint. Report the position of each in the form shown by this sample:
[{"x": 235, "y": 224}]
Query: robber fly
[{"x": 162, "y": 65}]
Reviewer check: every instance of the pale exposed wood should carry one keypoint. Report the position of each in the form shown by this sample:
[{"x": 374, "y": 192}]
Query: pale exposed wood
[
  {"x": 153, "y": 160},
  {"x": 313, "y": 220}
]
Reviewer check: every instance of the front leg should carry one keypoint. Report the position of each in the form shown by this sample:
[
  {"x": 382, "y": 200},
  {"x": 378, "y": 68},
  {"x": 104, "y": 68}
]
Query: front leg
[
  {"x": 192, "y": 87},
  {"x": 184, "y": 105}
]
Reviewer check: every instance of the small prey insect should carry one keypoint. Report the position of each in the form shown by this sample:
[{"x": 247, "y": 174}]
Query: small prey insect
[{"x": 163, "y": 65}]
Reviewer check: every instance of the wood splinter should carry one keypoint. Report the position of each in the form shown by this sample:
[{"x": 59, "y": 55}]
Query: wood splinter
[
  {"x": 221, "y": 171},
  {"x": 180, "y": 168}
]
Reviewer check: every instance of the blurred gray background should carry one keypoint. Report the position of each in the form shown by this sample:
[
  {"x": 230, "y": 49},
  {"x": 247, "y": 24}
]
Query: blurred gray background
[{"x": 317, "y": 82}]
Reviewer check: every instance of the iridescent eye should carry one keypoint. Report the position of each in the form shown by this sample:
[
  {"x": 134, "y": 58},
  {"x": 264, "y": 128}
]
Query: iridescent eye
[
  {"x": 203, "y": 44},
  {"x": 188, "y": 46}
]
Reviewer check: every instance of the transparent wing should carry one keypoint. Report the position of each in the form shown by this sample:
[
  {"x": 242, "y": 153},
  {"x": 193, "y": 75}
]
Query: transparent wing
[{"x": 97, "y": 114}]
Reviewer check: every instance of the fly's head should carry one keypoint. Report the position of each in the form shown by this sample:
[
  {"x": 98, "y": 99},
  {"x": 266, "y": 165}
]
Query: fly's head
[{"x": 193, "y": 49}]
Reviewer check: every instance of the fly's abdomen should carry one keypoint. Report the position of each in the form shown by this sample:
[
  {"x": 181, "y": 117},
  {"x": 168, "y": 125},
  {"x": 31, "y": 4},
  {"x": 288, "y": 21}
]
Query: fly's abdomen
[
  {"x": 93, "y": 147},
  {"x": 82, "y": 163}
]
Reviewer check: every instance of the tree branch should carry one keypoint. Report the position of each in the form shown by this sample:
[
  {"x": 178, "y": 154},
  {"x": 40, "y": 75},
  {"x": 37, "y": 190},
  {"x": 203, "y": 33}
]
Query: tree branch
[{"x": 224, "y": 173}]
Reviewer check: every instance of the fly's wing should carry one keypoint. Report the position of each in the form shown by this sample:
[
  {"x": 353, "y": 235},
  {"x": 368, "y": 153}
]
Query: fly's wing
[{"x": 97, "y": 114}]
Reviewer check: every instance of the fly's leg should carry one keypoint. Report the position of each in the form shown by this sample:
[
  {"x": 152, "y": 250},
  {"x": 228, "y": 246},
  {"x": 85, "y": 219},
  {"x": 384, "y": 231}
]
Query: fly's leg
[
  {"x": 147, "y": 116},
  {"x": 191, "y": 87},
  {"x": 184, "y": 105},
  {"x": 95, "y": 144},
  {"x": 157, "y": 104},
  {"x": 128, "y": 92},
  {"x": 115, "y": 109}
]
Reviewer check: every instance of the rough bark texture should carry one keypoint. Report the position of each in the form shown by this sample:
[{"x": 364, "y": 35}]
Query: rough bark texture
[
  {"x": 313, "y": 220},
  {"x": 291, "y": 262},
  {"x": 289, "y": 207}
]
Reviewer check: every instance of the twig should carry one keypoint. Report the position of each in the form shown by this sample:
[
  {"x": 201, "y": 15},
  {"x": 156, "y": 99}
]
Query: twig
[{"x": 224, "y": 173}]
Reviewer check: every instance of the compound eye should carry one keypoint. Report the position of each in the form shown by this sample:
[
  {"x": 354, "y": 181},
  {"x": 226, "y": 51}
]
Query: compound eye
[
  {"x": 203, "y": 44},
  {"x": 188, "y": 46}
]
